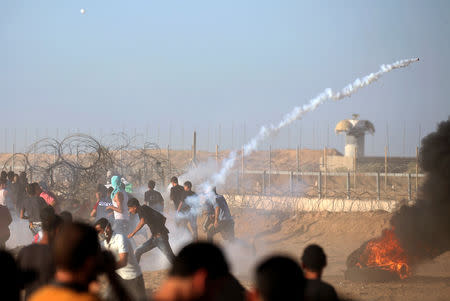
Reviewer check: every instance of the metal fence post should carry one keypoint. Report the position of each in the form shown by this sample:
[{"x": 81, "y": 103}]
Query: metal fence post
[
  {"x": 319, "y": 184},
  {"x": 291, "y": 182},
  {"x": 378, "y": 186}
]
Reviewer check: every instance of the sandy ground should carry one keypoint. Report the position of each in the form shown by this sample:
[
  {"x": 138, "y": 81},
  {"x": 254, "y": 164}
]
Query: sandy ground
[{"x": 338, "y": 233}]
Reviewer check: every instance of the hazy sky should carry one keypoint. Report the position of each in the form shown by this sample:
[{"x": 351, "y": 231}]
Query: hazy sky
[{"x": 177, "y": 66}]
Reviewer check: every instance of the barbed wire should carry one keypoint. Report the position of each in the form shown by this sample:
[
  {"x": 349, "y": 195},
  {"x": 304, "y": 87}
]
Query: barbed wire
[{"x": 72, "y": 167}]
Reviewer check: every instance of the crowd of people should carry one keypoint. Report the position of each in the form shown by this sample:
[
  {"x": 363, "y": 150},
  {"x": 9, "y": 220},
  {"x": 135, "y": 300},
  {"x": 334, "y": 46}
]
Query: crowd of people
[{"x": 70, "y": 259}]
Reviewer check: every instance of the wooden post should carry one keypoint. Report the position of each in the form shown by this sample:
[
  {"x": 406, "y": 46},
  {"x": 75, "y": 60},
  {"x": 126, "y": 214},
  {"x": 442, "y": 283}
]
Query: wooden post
[
  {"x": 348, "y": 185},
  {"x": 378, "y": 186},
  {"x": 417, "y": 169},
  {"x": 409, "y": 187}
]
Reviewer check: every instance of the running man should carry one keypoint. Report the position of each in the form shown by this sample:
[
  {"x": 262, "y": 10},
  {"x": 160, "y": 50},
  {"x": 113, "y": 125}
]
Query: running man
[
  {"x": 156, "y": 223},
  {"x": 223, "y": 221}
]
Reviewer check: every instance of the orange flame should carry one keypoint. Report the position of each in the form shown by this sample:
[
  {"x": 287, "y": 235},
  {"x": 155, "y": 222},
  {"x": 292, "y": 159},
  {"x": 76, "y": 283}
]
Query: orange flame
[{"x": 387, "y": 254}]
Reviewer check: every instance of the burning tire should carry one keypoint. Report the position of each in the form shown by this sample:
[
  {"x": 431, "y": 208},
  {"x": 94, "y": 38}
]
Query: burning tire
[{"x": 378, "y": 260}]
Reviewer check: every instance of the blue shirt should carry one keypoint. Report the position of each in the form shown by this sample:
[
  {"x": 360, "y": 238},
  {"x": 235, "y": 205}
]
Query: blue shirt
[{"x": 224, "y": 211}]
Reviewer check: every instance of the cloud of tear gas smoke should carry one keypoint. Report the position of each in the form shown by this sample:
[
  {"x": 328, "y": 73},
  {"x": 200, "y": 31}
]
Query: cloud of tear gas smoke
[{"x": 424, "y": 228}]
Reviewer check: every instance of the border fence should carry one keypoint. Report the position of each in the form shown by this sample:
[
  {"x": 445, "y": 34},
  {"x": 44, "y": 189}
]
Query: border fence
[
  {"x": 342, "y": 185},
  {"x": 65, "y": 163}
]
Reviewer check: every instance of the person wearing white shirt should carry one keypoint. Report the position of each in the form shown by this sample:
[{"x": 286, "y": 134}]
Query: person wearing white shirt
[
  {"x": 119, "y": 207},
  {"x": 127, "y": 266}
]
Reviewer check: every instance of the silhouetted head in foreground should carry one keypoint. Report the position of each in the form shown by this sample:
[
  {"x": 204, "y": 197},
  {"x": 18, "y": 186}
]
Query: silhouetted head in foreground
[
  {"x": 199, "y": 272},
  {"x": 278, "y": 278},
  {"x": 314, "y": 261},
  {"x": 201, "y": 256},
  {"x": 76, "y": 250}
]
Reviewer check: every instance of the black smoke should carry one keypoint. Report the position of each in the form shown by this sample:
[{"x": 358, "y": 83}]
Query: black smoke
[{"x": 423, "y": 229}]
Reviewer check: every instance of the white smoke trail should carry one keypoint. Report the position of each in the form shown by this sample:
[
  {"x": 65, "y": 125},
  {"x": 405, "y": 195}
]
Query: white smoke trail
[
  {"x": 205, "y": 193},
  {"x": 296, "y": 114}
]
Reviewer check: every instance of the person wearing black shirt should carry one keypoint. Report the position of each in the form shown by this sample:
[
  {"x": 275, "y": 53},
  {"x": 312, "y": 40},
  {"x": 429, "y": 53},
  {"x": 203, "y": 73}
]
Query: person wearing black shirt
[
  {"x": 156, "y": 222},
  {"x": 185, "y": 213},
  {"x": 176, "y": 193},
  {"x": 153, "y": 198},
  {"x": 32, "y": 207},
  {"x": 314, "y": 261}
]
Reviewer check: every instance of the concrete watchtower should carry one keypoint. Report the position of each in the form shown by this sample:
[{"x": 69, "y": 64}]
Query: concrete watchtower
[{"x": 355, "y": 131}]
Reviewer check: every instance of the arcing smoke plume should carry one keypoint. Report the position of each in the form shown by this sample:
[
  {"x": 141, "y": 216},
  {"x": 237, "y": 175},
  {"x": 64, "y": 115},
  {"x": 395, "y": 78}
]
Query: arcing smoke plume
[
  {"x": 266, "y": 131},
  {"x": 297, "y": 113},
  {"x": 424, "y": 228}
]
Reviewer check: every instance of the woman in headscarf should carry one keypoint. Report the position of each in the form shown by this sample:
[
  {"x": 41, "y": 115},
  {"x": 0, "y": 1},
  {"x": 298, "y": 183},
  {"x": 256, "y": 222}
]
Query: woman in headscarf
[{"x": 119, "y": 199}]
